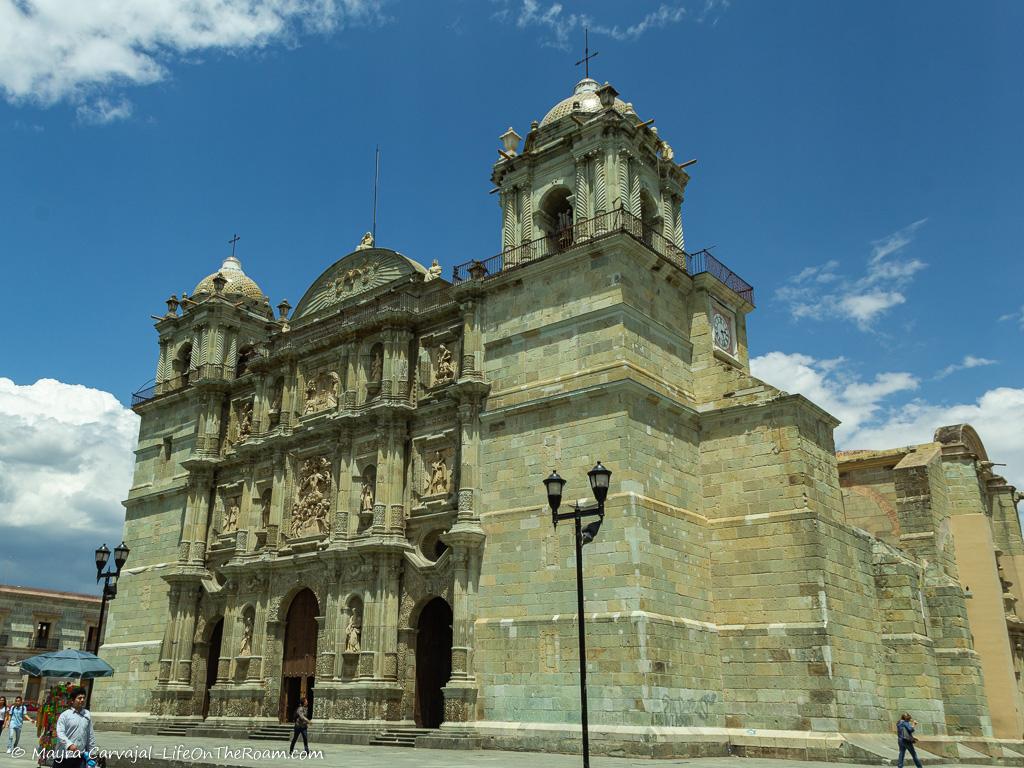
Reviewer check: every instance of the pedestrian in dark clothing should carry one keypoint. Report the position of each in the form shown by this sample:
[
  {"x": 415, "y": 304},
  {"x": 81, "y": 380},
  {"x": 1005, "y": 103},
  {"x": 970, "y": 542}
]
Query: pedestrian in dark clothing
[
  {"x": 301, "y": 726},
  {"x": 906, "y": 739}
]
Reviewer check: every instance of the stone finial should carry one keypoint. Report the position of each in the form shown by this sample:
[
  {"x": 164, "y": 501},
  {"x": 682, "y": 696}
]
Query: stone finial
[
  {"x": 172, "y": 306},
  {"x": 607, "y": 93},
  {"x": 511, "y": 140},
  {"x": 219, "y": 281},
  {"x": 282, "y": 309},
  {"x": 366, "y": 242}
]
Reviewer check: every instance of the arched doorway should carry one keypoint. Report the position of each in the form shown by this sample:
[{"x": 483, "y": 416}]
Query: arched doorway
[
  {"x": 299, "y": 663},
  {"x": 212, "y": 662},
  {"x": 433, "y": 661}
]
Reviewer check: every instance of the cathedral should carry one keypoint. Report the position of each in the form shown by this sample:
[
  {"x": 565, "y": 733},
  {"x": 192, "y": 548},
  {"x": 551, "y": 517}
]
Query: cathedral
[{"x": 345, "y": 502}]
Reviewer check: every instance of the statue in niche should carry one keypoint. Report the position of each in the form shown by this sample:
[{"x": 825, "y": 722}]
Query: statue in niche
[
  {"x": 231, "y": 513},
  {"x": 438, "y": 482},
  {"x": 245, "y": 420},
  {"x": 265, "y": 508},
  {"x": 275, "y": 402},
  {"x": 434, "y": 272},
  {"x": 445, "y": 370},
  {"x": 352, "y": 632},
  {"x": 366, "y": 495},
  {"x": 313, "y": 504},
  {"x": 329, "y": 383},
  {"x": 376, "y": 367},
  {"x": 310, "y": 396},
  {"x": 245, "y": 647}
]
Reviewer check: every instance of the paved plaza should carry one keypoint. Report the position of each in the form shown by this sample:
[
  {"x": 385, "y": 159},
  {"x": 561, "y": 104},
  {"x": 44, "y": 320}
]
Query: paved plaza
[{"x": 171, "y": 752}]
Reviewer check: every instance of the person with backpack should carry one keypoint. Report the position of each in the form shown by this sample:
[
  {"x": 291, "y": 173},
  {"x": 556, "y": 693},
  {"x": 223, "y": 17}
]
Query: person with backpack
[
  {"x": 301, "y": 726},
  {"x": 905, "y": 737},
  {"x": 17, "y": 715}
]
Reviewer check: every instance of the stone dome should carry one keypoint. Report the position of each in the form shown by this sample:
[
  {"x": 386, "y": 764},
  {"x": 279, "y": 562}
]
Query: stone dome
[
  {"x": 238, "y": 283},
  {"x": 585, "y": 95}
]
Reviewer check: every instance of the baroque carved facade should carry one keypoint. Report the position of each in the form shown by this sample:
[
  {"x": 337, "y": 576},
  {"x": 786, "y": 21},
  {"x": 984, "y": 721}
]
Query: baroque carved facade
[{"x": 367, "y": 480}]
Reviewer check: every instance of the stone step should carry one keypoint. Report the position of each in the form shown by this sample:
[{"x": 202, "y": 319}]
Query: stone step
[
  {"x": 173, "y": 730},
  {"x": 399, "y": 737},
  {"x": 272, "y": 733}
]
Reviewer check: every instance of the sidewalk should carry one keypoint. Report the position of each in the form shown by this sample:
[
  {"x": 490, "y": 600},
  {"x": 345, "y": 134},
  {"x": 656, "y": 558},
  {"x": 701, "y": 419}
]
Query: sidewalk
[{"x": 172, "y": 752}]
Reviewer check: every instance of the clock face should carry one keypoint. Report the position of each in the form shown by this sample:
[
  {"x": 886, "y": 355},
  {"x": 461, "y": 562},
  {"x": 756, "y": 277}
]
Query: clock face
[{"x": 722, "y": 328}]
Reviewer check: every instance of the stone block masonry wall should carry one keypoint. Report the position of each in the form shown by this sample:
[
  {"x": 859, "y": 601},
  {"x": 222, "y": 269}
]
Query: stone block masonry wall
[
  {"x": 911, "y": 674},
  {"x": 132, "y": 637},
  {"x": 869, "y": 498}
]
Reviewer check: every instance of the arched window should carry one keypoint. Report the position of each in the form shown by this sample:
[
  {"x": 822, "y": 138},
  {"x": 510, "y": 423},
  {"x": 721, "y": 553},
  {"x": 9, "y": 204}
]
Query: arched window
[
  {"x": 556, "y": 219},
  {"x": 182, "y": 366}
]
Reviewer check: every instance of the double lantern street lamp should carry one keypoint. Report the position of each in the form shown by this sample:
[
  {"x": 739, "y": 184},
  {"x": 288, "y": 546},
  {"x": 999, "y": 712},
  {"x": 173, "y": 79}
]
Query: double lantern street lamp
[
  {"x": 109, "y": 587},
  {"x": 599, "y": 477}
]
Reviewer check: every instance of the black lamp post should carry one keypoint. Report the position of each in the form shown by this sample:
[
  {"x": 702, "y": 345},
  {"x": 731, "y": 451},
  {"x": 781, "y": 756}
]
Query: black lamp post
[
  {"x": 109, "y": 578},
  {"x": 599, "y": 477}
]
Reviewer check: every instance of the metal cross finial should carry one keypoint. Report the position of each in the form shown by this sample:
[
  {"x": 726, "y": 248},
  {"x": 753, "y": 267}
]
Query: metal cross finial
[
  {"x": 587, "y": 55},
  {"x": 234, "y": 240}
]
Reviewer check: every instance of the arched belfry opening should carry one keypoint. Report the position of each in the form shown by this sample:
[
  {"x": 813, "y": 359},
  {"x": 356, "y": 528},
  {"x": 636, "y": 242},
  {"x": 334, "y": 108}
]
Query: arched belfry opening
[
  {"x": 650, "y": 217},
  {"x": 298, "y": 666},
  {"x": 182, "y": 366},
  {"x": 213, "y": 648},
  {"x": 555, "y": 214},
  {"x": 433, "y": 661}
]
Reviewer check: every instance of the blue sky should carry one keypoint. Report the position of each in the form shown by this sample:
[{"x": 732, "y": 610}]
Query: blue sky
[{"x": 858, "y": 163}]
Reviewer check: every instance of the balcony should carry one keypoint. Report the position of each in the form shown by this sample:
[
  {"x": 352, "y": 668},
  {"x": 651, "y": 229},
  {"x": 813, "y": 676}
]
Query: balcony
[
  {"x": 590, "y": 230},
  {"x": 204, "y": 372}
]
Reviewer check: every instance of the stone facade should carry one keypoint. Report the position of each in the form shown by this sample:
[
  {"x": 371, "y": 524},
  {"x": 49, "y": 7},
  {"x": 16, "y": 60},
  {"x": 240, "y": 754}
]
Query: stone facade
[
  {"x": 34, "y": 621},
  {"x": 384, "y": 449}
]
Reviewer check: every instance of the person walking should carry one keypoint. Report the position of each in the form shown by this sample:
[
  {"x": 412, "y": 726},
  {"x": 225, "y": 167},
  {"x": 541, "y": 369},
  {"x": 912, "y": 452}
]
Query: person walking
[
  {"x": 906, "y": 739},
  {"x": 301, "y": 726},
  {"x": 75, "y": 734},
  {"x": 17, "y": 715},
  {"x": 4, "y": 712}
]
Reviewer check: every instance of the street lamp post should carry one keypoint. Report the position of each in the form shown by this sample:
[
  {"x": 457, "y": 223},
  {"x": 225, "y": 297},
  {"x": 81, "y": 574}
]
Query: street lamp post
[
  {"x": 109, "y": 578},
  {"x": 599, "y": 477}
]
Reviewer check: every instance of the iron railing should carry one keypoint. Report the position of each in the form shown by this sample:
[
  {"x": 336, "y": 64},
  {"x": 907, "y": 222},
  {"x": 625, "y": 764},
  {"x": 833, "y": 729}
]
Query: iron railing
[
  {"x": 590, "y": 230},
  {"x": 203, "y": 372},
  {"x": 703, "y": 261}
]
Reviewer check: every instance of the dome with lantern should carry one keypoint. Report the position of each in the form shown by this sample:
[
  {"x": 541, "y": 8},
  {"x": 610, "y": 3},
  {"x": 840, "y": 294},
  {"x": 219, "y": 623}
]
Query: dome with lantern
[
  {"x": 236, "y": 283},
  {"x": 584, "y": 99}
]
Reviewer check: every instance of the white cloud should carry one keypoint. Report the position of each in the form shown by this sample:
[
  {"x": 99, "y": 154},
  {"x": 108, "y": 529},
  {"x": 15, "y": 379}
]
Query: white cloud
[
  {"x": 561, "y": 24},
  {"x": 1017, "y": 316},
  {"x": 819, "y": 292},
  {"x": 66, "y": 458},
  {"x": 873, "y": 419},
  {"x": 54, "y": 50},
  {"x": 826, "y": 383},
  {"x": 969, "y": 361},
  {"x": 103, "y": 111}
]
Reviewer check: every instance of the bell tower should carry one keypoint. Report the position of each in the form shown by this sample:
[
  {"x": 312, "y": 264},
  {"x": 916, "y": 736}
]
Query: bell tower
[{"x": 589, "y": 164}]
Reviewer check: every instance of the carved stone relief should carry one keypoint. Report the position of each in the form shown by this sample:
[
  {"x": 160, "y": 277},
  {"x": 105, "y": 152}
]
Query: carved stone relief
[
  {"x": 438, "y": 481},
  {"x": 232, "y": 511},
  {"x": 248, "y": 622},
  {"x": 353, "y": 631},
  {"x": 367, "y": 494},
  {"x": 312, "y": 503},
  {"x": 322, "y": 389},
  {"x": 444, "y": 368}
]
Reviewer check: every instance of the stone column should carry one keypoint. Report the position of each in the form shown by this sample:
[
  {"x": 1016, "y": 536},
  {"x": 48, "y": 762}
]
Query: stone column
[
  {"x": 677, "y": 223},
  {"x": 351, "y": 375},
  {"x": 277, "y": 496},
  {"x": 469, "y": 458},
  {"x": 471, "y": 343},
  {"x": 388, "y": 572},
  {"x": 622, "y": 166},
  {"x": 600, "y": 184},
  {"x": 162, "y": 365},
  {"x": 581, "y": 200},
  {"x": 526, "y": 213},
  {"x": 197, "y": 516},
  {"x": 343, "y": 487},
  {"x": 188, "y": 607},
  {"x": 634, "y": 189},
  {"x": 402, "y": 365},
  {"x": 508, "y": 218},
  {"x": 667, "y": 217},
  {"x": 168, "y": 645},
  {"x": 389, "y": 507},
  {"x": 230, "y": 353}
]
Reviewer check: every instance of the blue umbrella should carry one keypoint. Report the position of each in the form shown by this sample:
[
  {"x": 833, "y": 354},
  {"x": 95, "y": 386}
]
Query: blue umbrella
[{"x": 67, "y": 663}]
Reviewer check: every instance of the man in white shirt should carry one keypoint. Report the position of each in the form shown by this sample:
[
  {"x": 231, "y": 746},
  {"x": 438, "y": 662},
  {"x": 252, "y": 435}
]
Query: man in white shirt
[{"x": 75, "y": 735}]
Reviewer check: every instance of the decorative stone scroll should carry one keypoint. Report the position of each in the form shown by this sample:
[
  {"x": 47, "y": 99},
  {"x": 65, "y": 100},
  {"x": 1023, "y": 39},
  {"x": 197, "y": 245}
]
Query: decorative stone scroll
[
  {"x": 312, "y": 504},
  {"x": 321, "y": 391}
]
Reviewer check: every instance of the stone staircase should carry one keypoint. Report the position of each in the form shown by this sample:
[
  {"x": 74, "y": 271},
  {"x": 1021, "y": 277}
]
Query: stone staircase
[
  {"x": 398, "y": 737},
  {"x": 173, "y": 730},
  {"x": 273, "y": 733}
]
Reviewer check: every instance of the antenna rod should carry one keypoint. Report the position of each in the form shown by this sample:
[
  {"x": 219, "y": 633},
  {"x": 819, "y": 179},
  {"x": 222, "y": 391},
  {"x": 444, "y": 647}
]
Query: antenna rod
[{"x": 376, "y": 181}]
